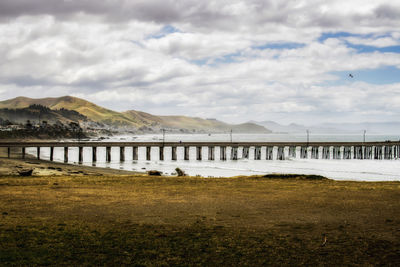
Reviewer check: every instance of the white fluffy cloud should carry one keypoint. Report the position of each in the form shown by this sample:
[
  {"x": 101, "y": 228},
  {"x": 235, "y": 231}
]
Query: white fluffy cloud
[{"x": 234, "y": 60}]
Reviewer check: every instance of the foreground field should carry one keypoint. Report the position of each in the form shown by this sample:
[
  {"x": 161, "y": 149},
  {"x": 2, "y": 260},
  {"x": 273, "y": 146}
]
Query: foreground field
[{"x": 140, "y": 220}]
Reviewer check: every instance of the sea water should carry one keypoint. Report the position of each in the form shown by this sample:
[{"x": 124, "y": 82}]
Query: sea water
[{"x": 360, "y": 170}]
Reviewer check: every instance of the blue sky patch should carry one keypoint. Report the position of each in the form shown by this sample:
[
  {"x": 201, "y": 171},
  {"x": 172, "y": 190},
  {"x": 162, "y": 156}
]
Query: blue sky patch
[
  {"x": 279, "y": 46},
  {"x": 371, "y": 49},
  {"x": 359, "y": 47},
  {"x": 229, "y": 58},
  {"x": 167, "y": 29},
  {"x": 383, "y": 75}
]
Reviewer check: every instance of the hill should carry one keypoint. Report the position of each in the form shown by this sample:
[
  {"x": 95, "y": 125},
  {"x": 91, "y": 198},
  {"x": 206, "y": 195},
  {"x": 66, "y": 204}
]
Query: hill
[
  {"x": 199, "y": 124},
  {"x": 132, "y": 118},
  {"x": 86, "y": 108},
  {"x": 36, "y": 113}
]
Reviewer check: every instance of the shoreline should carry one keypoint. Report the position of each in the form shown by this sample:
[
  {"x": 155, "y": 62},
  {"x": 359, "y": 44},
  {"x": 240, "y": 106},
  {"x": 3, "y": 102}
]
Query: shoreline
[{"x": 44, "y": 167}]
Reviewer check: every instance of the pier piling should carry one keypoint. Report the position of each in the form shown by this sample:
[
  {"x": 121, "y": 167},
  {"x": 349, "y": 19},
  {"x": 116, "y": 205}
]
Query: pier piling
[
  {"x": 122, "y": 153},
  {"x": 161, "y": 151},
  {"x": 65, "y": 154},
  {"x": 94, "y": 154},
  {"x": 186, "y": 153},
  {"x": 51, "y": 153},
  {"x": 222, "y": 154},
  {"x": 173, "y": 151},
  {"x": 148, "y": 152},
  {"x": 108, "y": 154},
  {"x": 198, "y": 153},
  {"x": 135, "y": 153},
  {"x": 210, "y": 153},
  {"x": 80, "y": 155}
]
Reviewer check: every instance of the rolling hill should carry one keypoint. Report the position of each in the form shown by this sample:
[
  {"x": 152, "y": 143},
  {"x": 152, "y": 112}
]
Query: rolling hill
[
  {"x": 132, "y": 118},
  {"x": 86, "y": 108},
  {"x": 34, "y": 113}
]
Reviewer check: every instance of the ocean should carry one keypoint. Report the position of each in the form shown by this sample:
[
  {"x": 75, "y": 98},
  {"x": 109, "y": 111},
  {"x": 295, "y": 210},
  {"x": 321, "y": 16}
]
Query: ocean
[{"x": 356, "y": 170}]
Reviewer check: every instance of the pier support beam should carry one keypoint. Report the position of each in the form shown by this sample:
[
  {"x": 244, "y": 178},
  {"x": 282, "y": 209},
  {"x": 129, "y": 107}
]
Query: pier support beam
[
  {"x": 292, "y": 152},
  {"x": 198, "y": 153},
  {"x": 80, "y": 155},
  {"x": 325, "y": 152},
  {"x": 122, "y": 153},
  {"x": 38, "y": 152},
  {"x": 210, "y": 153},
  {"x": 378, "y": 152},
  {"x": 186, "y": 153},
  {"x": 173, "y": 151},
  {"x": 108, "y": 154},
  {"x": 338, "y": 151},
  {"x": 66, "y": 154},
  {"x": 303, "y": 152},
  {"x": 269, "y": 153},
  {"x": 135, "y": 153},
  {"x": 8, "y": 152},
  {"x": 346, "y": 152},
  {"x": 23, "y": 153},
  {"x": 222, "y": 153},
  {"x": 161, "y": 151},
  {"x": 286, "y": 152},
  {"x": 257, "y": 153},
  {"x": 94, "y": 154},
  {"x": 280, "y": 153},
  {"x": 51, "y": 153},
  {"x": 148, "y": 152},
  {"x": 388, "y": 152},
  {"x": 234, "y": 153},
  {"x": 314, "y": 152},
  {"x": 245, "y": 154},
  {"x": 367, "y": 152},
  {"x": 359, "y": 152}
]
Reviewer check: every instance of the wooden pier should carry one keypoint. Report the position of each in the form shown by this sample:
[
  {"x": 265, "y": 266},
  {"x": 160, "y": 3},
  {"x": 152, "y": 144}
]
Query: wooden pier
[{"x": 222, "y": 151}]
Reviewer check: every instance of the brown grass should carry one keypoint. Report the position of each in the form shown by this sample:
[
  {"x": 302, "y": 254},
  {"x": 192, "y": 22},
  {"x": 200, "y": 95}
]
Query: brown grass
[{"x": 113, "y": 220}]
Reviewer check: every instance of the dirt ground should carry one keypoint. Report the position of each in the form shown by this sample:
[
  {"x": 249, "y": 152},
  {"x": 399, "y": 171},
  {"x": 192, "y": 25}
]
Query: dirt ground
[{"x": 163, "y": 221}]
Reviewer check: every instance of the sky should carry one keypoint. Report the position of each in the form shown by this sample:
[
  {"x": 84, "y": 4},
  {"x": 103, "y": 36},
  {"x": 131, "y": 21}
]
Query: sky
[{"x": 237, "y": 60}]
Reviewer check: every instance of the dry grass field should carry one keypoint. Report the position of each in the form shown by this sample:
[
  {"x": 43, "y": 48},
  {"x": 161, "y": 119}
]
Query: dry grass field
[{"x": 152, "y": 221}]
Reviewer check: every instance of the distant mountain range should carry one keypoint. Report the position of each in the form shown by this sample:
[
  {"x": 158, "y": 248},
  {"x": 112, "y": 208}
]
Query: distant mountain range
[
  {"x": 19, "y": 109},
  {"x": 334, "y": 128},
  {"x": 68, "y": 108}
]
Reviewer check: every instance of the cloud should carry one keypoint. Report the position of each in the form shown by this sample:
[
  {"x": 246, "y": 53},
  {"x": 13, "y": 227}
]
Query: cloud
[{"x": 237, "y": 60}]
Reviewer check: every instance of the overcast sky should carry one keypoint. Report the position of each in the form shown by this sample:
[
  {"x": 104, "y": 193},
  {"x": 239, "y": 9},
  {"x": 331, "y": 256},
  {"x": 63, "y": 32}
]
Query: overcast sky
[{"x": 235, "y": 60}]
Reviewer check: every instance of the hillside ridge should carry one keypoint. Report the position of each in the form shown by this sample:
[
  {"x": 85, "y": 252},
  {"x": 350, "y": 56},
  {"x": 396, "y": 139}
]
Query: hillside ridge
[{"x": 132, "y": 118}]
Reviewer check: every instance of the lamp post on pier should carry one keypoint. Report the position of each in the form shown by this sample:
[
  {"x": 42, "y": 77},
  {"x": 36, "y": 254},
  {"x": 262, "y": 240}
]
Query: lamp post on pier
[
  {"x": 365, "y": 131},
  {"x": 163, "y": 135}
]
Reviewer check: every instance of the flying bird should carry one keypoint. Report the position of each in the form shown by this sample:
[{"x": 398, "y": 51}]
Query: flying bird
[{"x": 351, "y": 75}]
